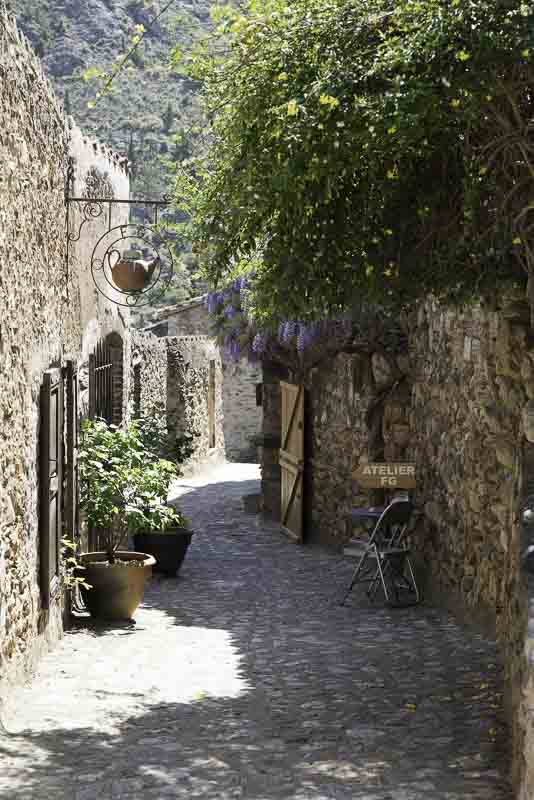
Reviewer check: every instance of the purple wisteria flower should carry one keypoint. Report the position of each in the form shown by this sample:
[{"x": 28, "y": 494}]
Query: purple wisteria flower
[
  {"x": 235, "y": 350},
  {"x": 259, "y": 343},
  {"x": 213, "y": 300},
  {"x": 229, "y": 311},
  {"x": 240, "y": 284},
  {"x": 289, "y": 330}
]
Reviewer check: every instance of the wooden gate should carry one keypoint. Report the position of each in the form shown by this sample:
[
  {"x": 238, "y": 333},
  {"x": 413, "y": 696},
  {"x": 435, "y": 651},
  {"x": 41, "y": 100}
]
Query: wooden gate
[{"x": 292, "y": 459}]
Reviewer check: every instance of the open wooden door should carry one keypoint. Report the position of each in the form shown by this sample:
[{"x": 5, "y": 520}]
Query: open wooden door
[
  {"x": 292, "y": 460},
  {"x": 71, "y": 460},
  {"x": 51, "y": 482}
]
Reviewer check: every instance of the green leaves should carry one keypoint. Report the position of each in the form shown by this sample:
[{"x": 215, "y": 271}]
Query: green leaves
[
  {"x": 334, "y": 121},
  {"x": 124, "y": 484}
]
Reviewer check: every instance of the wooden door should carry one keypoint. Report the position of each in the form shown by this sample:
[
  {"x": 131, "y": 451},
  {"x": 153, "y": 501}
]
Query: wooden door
[
  {"x": 292, "y": 459},
  {"x": 51, "y": 482},
  {"x": 71, "y": 460}
]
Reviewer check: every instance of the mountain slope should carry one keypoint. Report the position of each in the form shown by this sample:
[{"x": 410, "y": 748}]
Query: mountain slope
[{"x": 150, "y": 110}]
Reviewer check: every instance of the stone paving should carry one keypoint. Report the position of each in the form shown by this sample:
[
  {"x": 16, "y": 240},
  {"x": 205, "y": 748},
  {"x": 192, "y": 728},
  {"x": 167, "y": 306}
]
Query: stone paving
[{"x": 244, "y": 678}]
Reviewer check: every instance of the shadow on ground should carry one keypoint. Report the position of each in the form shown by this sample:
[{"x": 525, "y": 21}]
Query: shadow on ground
[{"x": 243, "y": 678}]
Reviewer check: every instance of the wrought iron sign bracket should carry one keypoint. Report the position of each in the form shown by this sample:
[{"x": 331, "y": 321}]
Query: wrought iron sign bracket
[{"x": 129, "y": 276}]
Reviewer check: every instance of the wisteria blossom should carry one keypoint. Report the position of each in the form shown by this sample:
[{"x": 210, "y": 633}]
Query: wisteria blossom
[{"x": 240, "y": 336}]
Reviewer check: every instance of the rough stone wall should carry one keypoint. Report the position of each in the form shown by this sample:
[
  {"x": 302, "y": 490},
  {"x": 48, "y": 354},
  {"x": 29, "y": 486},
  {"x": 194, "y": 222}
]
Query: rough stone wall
[
  {"x": 472, "y": 377},
  {"x": 191, "y": 359},
  {"x": 242, "y": 418},
  {"x": 41, "y": 325},
  {"x": 188, "y": 319},
  {"x": 149, "y": 375},
  {"x": 355, "y": 411},
  {"x": 171, "y": 376},
  {"x": 241, "y": 414},
  {"x": 466, "y": 436},
  {"x": 338, "y": 399},
  {"x": 98, "y": 173}
]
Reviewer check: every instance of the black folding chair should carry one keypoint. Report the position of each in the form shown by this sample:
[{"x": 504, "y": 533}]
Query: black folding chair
[{"x": 384, "y": 559}]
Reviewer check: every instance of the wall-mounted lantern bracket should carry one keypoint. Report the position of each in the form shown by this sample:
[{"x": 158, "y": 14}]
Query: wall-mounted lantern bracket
[{"x": 150, "y": 237}]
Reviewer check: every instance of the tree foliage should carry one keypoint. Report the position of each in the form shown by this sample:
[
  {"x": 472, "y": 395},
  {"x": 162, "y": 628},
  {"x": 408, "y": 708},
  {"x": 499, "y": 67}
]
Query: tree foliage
[{"x": 364, "y": 149}]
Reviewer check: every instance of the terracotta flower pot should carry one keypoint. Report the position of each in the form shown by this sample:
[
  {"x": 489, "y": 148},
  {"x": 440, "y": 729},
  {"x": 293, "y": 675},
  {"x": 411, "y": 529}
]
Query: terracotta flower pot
[{"x": 117, "y": 589}]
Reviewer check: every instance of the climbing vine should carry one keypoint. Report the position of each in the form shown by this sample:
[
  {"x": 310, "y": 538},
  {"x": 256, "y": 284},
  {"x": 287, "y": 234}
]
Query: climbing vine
[
  {"x": 364, "y": 150},
  {"x": 297, "y": 344}
]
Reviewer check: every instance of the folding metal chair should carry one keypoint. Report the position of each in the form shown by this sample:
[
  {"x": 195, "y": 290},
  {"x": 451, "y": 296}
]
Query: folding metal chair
[{"x": 384, "y": 560}]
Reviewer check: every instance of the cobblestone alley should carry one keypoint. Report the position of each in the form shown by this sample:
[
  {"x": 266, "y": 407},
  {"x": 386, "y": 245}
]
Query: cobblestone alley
[{"x": 244, "y": 678}]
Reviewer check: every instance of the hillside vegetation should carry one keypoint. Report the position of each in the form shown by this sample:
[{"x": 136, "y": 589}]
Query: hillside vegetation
[{"x": 150, "y": 112}]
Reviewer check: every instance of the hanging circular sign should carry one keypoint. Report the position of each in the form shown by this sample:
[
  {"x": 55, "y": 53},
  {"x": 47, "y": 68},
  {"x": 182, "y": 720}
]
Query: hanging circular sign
[{"x": 132, "y": 265}]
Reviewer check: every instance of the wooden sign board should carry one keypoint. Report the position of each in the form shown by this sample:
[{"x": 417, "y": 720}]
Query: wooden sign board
[{"x": 395, "y": 475}]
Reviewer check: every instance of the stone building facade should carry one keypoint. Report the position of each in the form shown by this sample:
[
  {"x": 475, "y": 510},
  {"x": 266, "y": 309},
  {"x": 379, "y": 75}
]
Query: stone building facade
[
  {"x": 181, "y": 379},
  {"x": 241, "y": 412},
  {"x": 49, "y": 314},
  {"x": 471, "y": 393},
  {"x": 459, "y": 402}
]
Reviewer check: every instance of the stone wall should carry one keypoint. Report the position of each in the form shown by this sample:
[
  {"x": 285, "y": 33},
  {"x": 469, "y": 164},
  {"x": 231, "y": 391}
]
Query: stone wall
[
  {"x": 188, "y": 319},
  {"x": 460, "y": 403},
  {"x": 47, "y": 314},
  {"x": 241, "y": 413},
  {"x": 242, "y": 417},
  {"x": 172, "y": 376},
  {"x": 270, "y": 440},
  {"x": 148, "y": 375},
  {"x": 338, "y": 397},
  {"x": 472, "y": 378},
  {"x": 356, "y": 410},
  {"x": 194, "y": 363}
]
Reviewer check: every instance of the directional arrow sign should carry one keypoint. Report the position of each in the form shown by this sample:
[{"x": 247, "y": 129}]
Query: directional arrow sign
[{"x": 395, "y": 475}]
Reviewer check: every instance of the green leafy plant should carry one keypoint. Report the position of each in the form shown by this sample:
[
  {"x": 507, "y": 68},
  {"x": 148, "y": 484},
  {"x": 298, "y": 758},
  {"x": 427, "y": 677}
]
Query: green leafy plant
[
  {"x": 157, "y": 440},
  {"x": 156, "y": 516},
  {"x": 72, "y": 569},
  {"x": 365, "y": 149},
  {"x": 124, "y": 485}
]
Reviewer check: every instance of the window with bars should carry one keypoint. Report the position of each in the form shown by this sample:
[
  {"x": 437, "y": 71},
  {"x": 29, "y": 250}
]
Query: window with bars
[{"x": 106, "y": 380}]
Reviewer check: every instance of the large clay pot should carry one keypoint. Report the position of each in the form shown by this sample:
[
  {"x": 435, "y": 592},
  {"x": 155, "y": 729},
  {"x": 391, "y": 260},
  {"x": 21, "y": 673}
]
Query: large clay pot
[
  {"x": 117, "y": 589},
  {"x": 168, "y": 548}
]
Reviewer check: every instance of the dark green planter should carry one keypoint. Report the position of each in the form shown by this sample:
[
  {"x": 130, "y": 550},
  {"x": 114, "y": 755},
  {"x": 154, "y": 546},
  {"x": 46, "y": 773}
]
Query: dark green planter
[{"x": 168, "y": 548}]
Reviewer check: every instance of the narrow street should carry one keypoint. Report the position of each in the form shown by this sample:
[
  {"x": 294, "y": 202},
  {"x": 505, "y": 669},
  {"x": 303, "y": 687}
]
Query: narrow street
[{"x": 243, "y": 678}]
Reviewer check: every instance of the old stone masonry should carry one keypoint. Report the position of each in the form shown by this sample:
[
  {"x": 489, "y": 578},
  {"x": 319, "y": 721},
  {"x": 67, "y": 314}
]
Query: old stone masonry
[{"x": 244, "y": 678}]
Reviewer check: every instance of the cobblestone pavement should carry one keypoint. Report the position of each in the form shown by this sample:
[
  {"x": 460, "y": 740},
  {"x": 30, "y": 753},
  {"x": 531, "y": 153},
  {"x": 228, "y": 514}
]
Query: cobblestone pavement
[{"x": 243, "y": 678}]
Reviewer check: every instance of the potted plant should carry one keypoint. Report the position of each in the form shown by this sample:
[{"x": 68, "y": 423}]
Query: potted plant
[
  {"x": 164, "y": 532},
  {"x": 159, "y": 529},
  {"x": 112, "y": 463}
]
